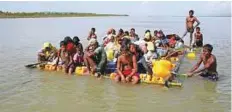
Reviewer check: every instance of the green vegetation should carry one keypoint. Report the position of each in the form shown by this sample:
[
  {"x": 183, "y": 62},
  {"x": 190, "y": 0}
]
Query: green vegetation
[{"x": 51, "y": 14}]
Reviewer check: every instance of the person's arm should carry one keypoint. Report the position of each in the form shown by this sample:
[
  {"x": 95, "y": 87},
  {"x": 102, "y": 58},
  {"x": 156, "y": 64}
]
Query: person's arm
[
  {"x": 134, "y": 70},
  {"x": 81, "y": 47},
  {"x": 198, "y": 22},
  {"x": 202, "y": 37},
  {"x": 170, "y": 55},
  {"x": 195, "y": 38},
  {"x": 89, "y": 36},
  {"x": 40, "y": 53},
  {"x": 70, "y": 60},
  {"x": 186, "y": 23},
  {"x": 208, "y": 64},
  {"x": 196, "y": 66},
  {"x": 119, "y": 66}
]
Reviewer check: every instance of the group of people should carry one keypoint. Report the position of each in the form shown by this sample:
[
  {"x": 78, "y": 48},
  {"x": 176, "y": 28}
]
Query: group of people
[
  {"x": 209, "y": 69},
  {"x": 127, "y": 50}
]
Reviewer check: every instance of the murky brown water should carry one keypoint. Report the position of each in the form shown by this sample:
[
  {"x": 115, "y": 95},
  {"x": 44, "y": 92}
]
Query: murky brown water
[{"x": 30, "y": 90}]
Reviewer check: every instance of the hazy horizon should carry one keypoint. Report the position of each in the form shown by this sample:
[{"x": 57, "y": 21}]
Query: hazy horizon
[{"x": 145, "y": 8}]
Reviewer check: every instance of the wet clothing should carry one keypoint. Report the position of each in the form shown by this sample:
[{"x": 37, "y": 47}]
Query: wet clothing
[
  {"x": 198, "y": 39},
  {"x": 190, "y": 30},
  {"x": 100, "y": 59},
  {"x": 127, "y": 73},
  {"x": 199, "y": 43},
  {"x": 210, "y": 75}
]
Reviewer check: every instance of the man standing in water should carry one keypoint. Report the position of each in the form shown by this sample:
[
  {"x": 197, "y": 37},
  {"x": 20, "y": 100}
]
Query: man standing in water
[
  {"x": 210, "y": 64},
  {"x": 190, "y": 20}
]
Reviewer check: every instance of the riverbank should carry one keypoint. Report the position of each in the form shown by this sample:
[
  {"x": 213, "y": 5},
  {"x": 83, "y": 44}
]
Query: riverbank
[{"x": 52, "y": 14}]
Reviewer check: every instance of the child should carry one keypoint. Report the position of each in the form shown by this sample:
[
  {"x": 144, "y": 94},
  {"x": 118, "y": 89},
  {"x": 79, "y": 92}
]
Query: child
[
  {"x": 65, "y": 58},
  {"x": 127, "y": 67},
  {"x": 198, "y": 38},
  {"x": 78, "y": 57}
]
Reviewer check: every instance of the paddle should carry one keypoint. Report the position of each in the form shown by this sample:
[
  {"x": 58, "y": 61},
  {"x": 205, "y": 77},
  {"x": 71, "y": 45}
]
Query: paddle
[{"x": 33, "y": 65}]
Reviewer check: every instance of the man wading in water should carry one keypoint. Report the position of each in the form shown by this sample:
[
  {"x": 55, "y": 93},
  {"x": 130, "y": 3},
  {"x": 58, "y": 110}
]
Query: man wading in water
[
  {"x": 190, "y": 20},
  {"x": 210, "y": 64}
]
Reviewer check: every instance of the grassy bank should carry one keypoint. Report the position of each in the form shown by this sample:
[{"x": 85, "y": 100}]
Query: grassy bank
[{"x": 51, "y": 14}]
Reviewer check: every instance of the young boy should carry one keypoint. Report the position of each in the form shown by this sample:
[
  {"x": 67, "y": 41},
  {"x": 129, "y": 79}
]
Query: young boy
[
  {"x": 198, "y": 38},
  {"x": 210, "y": 64}
]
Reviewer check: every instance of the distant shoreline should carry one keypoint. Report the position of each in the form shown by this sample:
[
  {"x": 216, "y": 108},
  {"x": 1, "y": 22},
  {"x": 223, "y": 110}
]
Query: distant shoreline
[{"x": 52, "y": 14}]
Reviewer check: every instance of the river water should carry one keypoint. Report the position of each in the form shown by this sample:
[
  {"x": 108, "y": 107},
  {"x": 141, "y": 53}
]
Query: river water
[{"x": 32, "y": 90}]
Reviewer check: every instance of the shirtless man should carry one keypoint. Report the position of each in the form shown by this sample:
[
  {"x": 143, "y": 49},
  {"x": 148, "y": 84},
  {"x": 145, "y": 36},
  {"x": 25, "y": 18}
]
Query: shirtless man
[
  {"x": 190, "y": 20},
  {"x": 127, "y": 67},
  {"x": 210, "y": 64},
  {"x": 198, "y": 38}
]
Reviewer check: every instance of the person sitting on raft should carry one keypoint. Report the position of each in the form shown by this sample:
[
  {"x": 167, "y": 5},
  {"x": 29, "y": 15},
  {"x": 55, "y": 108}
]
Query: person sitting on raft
[
  {"x": 64, "y": 58},
  {"x": 92, "y": 34},
  {"x": 70, "y": 47},
  {"x": 133, "y": 36},
  {"x": 77, "y": 43},
  {"x": 108, "y": 36},
  {"x": 198, "y": 38},
  {"x": 111, "y": 49},
  {"x": 127, "y": 67},
  {"x": 46, "y": 53},
  {"x": 134, "y": 49},
  {"x": 210, "y": 64},
  {"x": 78, "y": 58},
  {"x": 120, "y": 35},
  {"x": 96, "y": 59}
]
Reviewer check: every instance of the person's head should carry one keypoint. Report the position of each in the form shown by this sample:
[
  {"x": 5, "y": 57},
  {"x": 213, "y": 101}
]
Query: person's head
[
  {"x": 147, "y": 31},
  {"x": 110, "y": 31},
  {"x": 147, "y": 36},
  {"x": 207, "y": 49},
  {"x": 62, "y": 45},
  {"x": 126, "y": 33},
  {"x": 93, "y": 30},
  {"x": 113, "y": 32},
  {"x": 120, "y": 31},
  {"x": 125, "y": 41},
  {"x": 93, "y": 43},
  {"x": 47, "y": 46},
  {"x": 76, "y": 39},
  {"x": 198, "y": 29},
  {"x": 124, "y": 50},
  {"x": 67, "y": 39},
  {"x": 132, "y": 48},
  {"x": 112, "y": 38},
  {"x": 161, "y": 32},
  {"x": 132, "y": 31},
  {"x": 78, "y": 49},
  {"x": 155, "y": 33},
  {"x": 191, "y": 12}
]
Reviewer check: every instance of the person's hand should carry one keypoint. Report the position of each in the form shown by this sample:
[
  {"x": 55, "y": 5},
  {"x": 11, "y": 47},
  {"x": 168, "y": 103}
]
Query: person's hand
[
  {"x": 190, "y": 74},
  {"x": 128, "y": 78},
  {"x": 123, "y": 79}
]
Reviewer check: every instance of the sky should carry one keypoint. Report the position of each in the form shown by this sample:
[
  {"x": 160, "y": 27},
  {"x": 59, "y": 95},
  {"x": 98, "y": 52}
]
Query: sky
[{"x": 150, "y": 8}]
